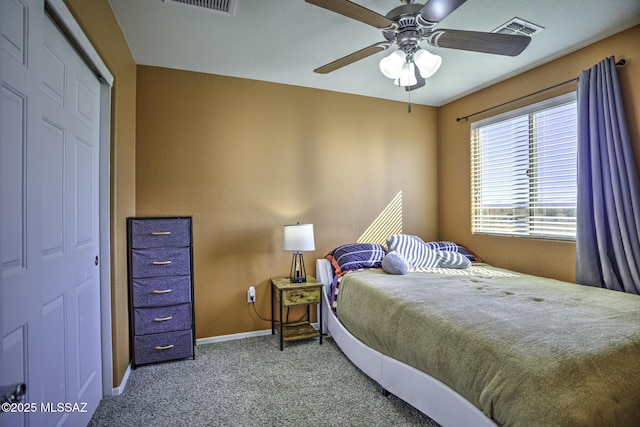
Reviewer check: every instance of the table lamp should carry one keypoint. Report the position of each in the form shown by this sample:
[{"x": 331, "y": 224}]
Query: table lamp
[{"x": 297, "y": 238}]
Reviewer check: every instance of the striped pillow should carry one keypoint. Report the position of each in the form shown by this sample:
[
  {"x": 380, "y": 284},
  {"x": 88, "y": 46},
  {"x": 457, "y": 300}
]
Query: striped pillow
[
  {"x": 414, "y": 250},
  {"x": 451, "y": 259},
  {"x": 454, "y": 247},
  {"x": 355, "y": 256}
]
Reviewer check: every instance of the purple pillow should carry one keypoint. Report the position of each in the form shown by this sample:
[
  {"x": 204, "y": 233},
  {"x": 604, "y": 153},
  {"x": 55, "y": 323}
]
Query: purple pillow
[{"x": 355, "y": 256}]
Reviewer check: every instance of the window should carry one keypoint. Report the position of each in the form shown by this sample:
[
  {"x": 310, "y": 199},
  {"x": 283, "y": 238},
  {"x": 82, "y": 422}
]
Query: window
[{"x": 523, "y": 171}]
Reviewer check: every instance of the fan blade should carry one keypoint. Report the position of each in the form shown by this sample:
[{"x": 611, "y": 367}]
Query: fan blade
[
  {"x": 355, "y": 11},
  {"x": 350, "y": 59},
  {"x": 436, "y": 10},
  {"x": 476, "y": 41}
]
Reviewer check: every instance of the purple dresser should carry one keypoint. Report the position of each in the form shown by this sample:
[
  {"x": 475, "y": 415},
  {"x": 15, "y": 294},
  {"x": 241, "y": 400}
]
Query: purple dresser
[{"x": 160, "y": 261}]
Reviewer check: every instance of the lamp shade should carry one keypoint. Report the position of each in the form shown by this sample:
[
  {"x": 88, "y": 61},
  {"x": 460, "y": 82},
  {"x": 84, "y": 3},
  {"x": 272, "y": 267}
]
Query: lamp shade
[
  {"x": 427, "y": 62},
  {"x": 298, "y": 238}
]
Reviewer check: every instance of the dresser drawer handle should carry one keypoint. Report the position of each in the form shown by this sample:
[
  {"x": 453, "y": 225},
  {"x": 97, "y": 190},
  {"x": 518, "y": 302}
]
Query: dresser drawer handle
[
  {"x": 161, "y": 262},
  {"x": 164, "y": 347},
  {"x": 162, "y": 319},
  {"x": 160, "y": 233},
  {"x": 161, "y": 291}
]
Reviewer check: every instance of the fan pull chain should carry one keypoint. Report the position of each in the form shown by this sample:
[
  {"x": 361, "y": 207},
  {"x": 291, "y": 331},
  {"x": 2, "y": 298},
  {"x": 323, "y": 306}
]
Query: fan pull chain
[{"x": 409, "y": 91}]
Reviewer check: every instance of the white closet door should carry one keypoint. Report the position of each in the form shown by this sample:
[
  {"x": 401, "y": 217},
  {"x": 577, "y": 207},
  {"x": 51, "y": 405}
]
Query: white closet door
[
  {"x": 49, "y": 216},
  {"x": 70, "y": 245},
  {"x": 20, "y": 218}
]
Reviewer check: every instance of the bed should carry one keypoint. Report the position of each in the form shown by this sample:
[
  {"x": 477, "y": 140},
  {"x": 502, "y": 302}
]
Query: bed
[{"x": 484, "y": 346}]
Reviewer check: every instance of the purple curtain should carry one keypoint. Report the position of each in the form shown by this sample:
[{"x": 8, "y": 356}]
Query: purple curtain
[{"x": 608, "y": 216}]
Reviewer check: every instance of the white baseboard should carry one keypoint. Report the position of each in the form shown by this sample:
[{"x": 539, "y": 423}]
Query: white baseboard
[
  {"x": 118, "y": 390},
  {"x": 241, "y": 335}
]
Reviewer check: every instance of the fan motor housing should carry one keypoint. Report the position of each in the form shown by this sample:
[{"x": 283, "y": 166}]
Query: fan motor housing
[{"x": 409, "y": 33}]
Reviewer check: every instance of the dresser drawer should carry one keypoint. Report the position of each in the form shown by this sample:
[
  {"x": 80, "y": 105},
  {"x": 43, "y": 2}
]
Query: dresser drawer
[
  {"x": 161, "y": 232},
  {"x": 161, "y": 347},
  {"x": 154, "y": 320},
  {"x": 156, "y": 291},
  {"x": 161, "y": 262},
  {"x": 301, "y": 296}
]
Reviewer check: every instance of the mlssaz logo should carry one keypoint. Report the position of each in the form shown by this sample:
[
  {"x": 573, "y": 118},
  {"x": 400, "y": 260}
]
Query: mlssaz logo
[{"x": 63, "y": 407}]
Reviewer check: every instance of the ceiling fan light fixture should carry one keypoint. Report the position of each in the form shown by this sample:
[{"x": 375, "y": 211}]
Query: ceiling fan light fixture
[
  {"x": 403, "y": 68},
  {"x": 391, "y": 66},
  {"x": 427, "y": 62},
  {"x": 407, "y": 75}
]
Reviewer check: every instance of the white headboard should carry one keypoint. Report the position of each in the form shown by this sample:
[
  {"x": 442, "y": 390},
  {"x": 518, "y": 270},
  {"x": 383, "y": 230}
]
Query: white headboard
[{"x": 324, "y": 272}]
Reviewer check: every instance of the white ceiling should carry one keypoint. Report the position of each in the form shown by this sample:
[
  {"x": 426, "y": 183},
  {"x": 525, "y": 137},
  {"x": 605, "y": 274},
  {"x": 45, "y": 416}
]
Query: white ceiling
[{"x": 283, "y": 41}]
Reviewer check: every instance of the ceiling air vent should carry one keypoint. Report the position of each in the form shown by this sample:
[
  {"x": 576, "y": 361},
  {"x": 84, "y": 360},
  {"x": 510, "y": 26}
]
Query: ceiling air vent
[
  {"x": 225, "y": 7},
  {"x": 519, "y": 27}
]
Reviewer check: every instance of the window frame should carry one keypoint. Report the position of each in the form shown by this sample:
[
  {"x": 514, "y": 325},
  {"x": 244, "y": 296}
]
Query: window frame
[{"x": 479, "y": 224}]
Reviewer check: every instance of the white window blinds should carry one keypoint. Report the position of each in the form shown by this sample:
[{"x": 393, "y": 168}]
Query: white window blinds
[{"x": 523, "y": 171}]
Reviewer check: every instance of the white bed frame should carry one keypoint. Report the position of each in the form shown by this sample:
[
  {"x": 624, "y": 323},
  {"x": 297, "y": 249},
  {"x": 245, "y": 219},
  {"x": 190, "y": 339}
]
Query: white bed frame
[{"x": 425, "y": 393}]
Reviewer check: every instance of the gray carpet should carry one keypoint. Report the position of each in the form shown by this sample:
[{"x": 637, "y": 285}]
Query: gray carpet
[{"x": 250, "y": 382}]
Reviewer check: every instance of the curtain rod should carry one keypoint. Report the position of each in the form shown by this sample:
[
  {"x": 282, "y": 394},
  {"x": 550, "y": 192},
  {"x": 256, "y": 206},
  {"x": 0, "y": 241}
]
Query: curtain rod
[{"x": 620, "y": 62}]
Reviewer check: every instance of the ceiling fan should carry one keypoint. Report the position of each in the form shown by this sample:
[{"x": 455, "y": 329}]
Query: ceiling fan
[{"x": 406, "y": 26}]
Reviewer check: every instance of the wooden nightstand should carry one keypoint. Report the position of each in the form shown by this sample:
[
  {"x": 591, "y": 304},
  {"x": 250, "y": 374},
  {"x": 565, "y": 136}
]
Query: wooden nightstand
[{"x": 289, "y": 294}]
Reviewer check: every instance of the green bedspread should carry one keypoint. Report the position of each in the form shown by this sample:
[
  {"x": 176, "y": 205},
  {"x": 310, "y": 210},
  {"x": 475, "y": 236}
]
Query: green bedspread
[{"x": 525, "y": 350}]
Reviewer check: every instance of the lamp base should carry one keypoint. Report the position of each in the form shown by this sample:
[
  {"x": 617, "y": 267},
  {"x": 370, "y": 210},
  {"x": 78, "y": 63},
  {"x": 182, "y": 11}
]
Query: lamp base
[{"x": 298, "y": 274}]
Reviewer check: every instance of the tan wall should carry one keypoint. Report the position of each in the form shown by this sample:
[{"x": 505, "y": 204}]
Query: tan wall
[
  {"x": 542, "y": 257},
  {"x": 245, "y": 157},
  {"x": 99, "y": 24}
]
